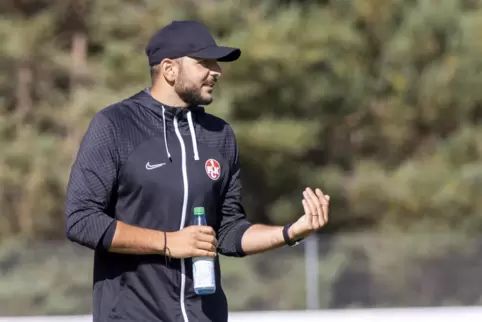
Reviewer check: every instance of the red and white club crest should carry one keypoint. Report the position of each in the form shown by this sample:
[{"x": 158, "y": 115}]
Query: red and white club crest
[{"x": 213, "y": 169}]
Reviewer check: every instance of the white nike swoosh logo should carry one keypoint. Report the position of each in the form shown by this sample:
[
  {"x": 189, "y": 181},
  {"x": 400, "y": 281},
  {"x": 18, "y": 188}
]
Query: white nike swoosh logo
[{"x": 153, "y": 166}]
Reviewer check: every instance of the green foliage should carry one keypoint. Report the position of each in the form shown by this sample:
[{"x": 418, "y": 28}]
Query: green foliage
[{"x": 377, "y": 102}]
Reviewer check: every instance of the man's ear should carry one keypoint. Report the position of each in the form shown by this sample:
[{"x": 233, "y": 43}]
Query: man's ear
[{"x": 169, "y": 69}]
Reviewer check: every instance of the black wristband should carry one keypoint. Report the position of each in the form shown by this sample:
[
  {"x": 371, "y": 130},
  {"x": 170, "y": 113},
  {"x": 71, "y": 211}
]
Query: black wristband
[
  {"x": 286, "y": 236},
  {"x": 166, "y": 250}
]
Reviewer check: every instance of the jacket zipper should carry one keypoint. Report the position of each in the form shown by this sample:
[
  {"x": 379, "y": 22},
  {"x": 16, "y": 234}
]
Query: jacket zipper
[{"x": 183, "y": 217}]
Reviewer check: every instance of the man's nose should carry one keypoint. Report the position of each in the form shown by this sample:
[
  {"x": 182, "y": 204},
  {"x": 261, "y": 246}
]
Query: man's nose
[{"x": 216, "y": 69}]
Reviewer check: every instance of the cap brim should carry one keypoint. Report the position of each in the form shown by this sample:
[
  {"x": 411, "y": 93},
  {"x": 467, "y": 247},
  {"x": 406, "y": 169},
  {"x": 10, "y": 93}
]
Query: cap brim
[{"x": 219, "y": 53}]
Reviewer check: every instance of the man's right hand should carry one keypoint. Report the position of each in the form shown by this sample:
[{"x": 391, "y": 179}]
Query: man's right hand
[{"x": 192, "y": 241}]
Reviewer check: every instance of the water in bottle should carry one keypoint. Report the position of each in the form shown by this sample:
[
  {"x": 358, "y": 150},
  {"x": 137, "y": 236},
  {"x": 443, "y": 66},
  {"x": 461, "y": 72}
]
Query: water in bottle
[{"x": 203, "y": 267}]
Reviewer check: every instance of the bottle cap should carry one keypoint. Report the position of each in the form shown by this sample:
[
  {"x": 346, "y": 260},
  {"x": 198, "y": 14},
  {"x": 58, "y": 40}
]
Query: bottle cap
[{"x": 199, "y": 211}]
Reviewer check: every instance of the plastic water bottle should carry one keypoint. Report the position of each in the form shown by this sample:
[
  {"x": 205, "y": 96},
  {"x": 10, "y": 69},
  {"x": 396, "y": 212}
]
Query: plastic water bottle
[{"x": 204, "y": 275}]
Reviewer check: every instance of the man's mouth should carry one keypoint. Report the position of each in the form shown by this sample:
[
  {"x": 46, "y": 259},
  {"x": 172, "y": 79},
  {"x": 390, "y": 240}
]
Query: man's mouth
[{"x": 210, "y": 84}]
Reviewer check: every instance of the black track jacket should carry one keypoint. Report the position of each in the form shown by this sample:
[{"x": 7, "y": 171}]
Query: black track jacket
[{"x": 149, "y": 165}]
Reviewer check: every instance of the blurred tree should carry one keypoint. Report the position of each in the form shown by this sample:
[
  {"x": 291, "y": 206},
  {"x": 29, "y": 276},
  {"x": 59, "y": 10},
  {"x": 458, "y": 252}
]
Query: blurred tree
[{"x": 378, "y": 102}]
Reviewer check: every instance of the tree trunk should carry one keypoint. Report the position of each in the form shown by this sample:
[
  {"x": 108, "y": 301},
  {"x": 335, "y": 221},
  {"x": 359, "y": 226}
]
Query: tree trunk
[
  {"x": 24, "y": 104},
  {"x": 79, "y": 58},
  {"x": 23, "y": 94}
]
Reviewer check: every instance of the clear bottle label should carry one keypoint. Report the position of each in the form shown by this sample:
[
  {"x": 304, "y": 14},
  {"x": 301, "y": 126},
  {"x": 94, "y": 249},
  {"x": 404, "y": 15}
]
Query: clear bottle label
[{"x": 203, "y": 272}]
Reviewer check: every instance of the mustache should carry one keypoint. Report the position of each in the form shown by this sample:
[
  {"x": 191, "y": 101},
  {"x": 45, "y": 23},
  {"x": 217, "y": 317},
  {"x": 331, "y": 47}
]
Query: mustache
[{"x": 211, "y": 83}]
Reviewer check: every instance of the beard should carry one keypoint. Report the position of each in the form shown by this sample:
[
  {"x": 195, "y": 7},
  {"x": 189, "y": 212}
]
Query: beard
[{"x": 191, "y": 95}]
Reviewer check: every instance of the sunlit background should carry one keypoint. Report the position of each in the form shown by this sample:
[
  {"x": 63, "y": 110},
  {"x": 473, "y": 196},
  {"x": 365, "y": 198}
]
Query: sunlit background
[{"x": 378, "y": 102}]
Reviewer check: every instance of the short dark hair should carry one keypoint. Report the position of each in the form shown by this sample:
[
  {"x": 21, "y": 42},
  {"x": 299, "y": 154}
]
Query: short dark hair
[{"x": 155, "y": 71}]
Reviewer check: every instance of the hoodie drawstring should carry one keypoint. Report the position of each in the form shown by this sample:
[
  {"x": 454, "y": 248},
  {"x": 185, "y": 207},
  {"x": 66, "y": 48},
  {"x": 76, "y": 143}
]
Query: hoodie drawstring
[
  {"x": 193, "y": 136},
  {"x": 191, "y": 129},
  {"x": 165, "y": 132}
]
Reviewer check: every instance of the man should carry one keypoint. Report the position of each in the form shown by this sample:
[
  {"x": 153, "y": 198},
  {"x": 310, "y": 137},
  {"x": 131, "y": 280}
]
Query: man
[{"x": 143, "y": 165}]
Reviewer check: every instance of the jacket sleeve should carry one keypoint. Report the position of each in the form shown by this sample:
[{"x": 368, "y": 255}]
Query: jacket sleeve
[
  {"x": 234, "y": 222},
  {"x": 91, "y": 184}
]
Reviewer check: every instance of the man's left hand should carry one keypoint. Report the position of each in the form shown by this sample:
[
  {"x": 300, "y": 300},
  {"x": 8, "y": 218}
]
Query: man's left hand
[{"x": 315, "y": 205}]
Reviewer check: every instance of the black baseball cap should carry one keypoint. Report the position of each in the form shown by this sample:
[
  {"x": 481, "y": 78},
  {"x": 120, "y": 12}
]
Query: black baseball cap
[{"x": 187, "y": 38}]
